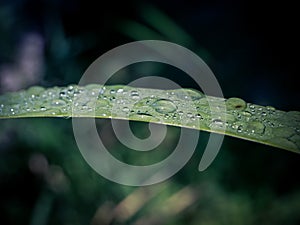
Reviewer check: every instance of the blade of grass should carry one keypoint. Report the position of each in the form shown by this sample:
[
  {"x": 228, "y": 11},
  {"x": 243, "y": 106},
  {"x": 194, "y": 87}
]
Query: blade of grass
[{"x": 181, "y": 107}]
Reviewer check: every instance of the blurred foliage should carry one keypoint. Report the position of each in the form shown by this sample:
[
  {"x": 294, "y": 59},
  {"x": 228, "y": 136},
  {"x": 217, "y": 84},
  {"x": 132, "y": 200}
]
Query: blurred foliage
[{"x": 43, "y": 177}]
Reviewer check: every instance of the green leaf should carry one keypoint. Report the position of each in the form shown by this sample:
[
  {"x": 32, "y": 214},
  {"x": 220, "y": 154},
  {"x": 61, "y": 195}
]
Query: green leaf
[{"x": 181, "y": 107}]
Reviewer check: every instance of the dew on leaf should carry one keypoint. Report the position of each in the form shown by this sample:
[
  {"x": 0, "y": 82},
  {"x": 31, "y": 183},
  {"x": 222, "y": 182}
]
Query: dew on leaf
[
  {"x": 164, "y": 106},
  {"x": 58, "y": 102},
  {"x": 255, "y": 127},
  {"x": 187, "y": 94},
  {"x": 217, "y": 124},
  {"x": 235, "y": 104},
  {"x": 134, "y": 95},
  {"x": 35, "y": 90}
]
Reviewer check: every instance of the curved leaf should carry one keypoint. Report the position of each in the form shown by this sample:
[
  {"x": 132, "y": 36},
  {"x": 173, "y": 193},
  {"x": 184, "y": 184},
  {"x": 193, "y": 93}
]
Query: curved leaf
[{"x": 181, "y": 107}]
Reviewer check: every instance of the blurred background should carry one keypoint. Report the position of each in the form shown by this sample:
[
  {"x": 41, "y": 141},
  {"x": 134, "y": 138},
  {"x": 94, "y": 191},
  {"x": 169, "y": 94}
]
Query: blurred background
[{"x": 249, "y": 46}]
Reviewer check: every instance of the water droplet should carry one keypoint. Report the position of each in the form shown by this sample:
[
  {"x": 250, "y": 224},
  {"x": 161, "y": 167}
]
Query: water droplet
[
  {"x": 263, "y": 113},
  {"x": 252, "y": 106},
  {"x": 245, "y": 113},
  {"x": 112, "y": 91},
  {"x": 240, "y": 129},
  {"x": 229, "y": 118},
  {"x": 120, "y": 90},
  {"x": 62, "y": 94},
  {"x": 164, "y": 106},
  {"x": 43, "y": 108},
  {"x": 180, "y": 113},
  {"x": 102, "y": 90},
  {"x": 134, "y": 95},
  {"x": 270, "y": 108},
  {"x": 255, "y": 127},
  {"x": 198, "y": 115},
  {"x": 217, "y": 124},
  {"x": 188, "y": 94},
  {"x": 35, "y": 90},
  {"x": 58, "y": 102},
  {"x": 125, "y": 109},
  {"x": 189, "y": 114},
  {"x": 235, "y": 104}
]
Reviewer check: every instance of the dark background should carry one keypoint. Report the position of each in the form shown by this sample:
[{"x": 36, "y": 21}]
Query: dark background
[{"x": 251, "y": 48}]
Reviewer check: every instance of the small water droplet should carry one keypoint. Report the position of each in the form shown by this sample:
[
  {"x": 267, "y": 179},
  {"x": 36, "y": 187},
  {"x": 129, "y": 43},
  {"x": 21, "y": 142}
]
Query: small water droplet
[
  {"x": 263, "y": 113},
  {"x": 164, "y": 106},
  {"x": 198, "y": 115},
  {"x": 58, "y": 102},
  {"x": 62, "y": 94},
  {"x": 245, "y": 113},
  {"x": 102, "y": 90},
  {"x": 270, "y": 108},
  {"x": 217, "y": 124},
  {"x": 125, "y": 109},
  {"x": 189, "y": 114},
  {"x": 240, "y": 129},
  {"x": 134, "y": 95}
]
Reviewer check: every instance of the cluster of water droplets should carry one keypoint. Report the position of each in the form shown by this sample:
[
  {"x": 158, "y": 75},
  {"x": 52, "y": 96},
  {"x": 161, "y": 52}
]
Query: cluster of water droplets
[{"x": 181, "y": 107}]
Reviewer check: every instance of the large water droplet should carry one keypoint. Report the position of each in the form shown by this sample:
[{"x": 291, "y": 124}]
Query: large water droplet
[
  {"x": 235, "y": 104},
  {"x": 35, "y": 90},
  {"x": 188, "y": 94},
  {"x": 164, "y": 106},
  {"x": 255, "y": 127}
]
